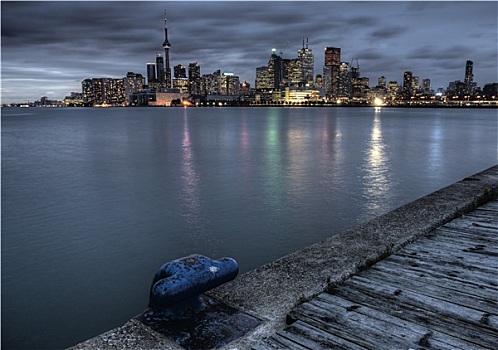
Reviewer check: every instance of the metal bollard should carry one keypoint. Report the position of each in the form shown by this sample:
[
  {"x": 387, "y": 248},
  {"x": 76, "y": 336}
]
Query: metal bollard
[{"x": 184, "y": 279}]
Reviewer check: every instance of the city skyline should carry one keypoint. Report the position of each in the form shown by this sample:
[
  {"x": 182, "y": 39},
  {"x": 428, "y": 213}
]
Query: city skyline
[{"x": 48, "y": 48}]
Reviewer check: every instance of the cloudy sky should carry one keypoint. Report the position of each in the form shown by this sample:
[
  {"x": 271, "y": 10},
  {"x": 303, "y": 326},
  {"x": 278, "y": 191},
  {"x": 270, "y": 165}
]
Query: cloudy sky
[{"x": 48, "y": 48}]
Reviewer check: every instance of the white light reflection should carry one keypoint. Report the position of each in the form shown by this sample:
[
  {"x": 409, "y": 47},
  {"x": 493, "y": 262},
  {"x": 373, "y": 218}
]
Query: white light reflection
[
  {"x": 377, "y": 182},
  {"x": 190, "y": 196}
]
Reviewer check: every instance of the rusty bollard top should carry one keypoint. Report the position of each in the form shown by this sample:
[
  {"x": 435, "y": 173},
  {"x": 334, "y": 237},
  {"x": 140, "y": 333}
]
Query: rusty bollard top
[{"x": 187, "y": 277}]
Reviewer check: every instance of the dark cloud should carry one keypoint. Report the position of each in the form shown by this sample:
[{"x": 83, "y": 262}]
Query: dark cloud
[{"x": 58, "y": 44}]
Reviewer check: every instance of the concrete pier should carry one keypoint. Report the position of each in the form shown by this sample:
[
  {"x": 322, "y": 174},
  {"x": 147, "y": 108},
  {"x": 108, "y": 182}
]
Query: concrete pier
[{"x": 270, "y": 292}]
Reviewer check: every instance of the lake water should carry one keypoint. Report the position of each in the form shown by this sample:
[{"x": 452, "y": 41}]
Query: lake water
[{"x": 95, "y": 200}]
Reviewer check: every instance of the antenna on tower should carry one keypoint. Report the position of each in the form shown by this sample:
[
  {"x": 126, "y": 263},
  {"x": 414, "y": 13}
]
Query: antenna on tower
[{"x": 306, "y": 43}]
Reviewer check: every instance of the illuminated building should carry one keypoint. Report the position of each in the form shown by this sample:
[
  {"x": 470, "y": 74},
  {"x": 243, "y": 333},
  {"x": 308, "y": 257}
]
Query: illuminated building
[
  {"x": 160, "y": 76},
  {"x": 469, "y": 76},
  {"x": 331, "y": 71},
  {"x": 132, "y": 83},
  {"x": 318, "y": 81},
  {"x": 180, "y": 81},
  {"x": 407, "y": 84},
  {"x": 194, "y": 79},
  {"x": 166, "y": 47},
  {"x": 275, "y": 70},
  {"x": 381, "y": 83},
  {"x": 345, "y": 83},
  {"x": 262, "y": 78},
  {"x": 307, "y": 60},
  {"x": 151, "y": 73},
  {"x": 103, "y": 91}
]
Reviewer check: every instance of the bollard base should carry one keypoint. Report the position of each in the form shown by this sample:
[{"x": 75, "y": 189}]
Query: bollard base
[{"x": 209, "y": 323}]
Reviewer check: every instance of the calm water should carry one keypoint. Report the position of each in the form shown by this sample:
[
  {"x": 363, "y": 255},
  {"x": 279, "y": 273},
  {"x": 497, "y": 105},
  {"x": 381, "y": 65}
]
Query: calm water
[{"x": 95, "y": 200}]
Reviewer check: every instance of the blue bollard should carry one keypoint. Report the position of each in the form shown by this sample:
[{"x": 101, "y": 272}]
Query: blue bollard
[{"x": 184, "y": 279}]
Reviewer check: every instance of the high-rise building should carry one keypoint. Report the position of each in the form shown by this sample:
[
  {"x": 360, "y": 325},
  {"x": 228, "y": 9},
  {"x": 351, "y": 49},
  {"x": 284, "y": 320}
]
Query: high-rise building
[
  {"x": 426, "y": 86},
  {"x": 407, "y": 84},
  {"x": 160, "y": 74},
  {"x": 331, "y": 71},
  {"x": 305, "y": 56},
  {"x": 275, "y": 70},
  {"x": 132, "y": 83},
  {"x": 151, "y": 73},
  {"x": 230, "y": 84},
  {"x": 382, "y": 82},
  {"x": 194, "y": 78},
  {"x": 292, "y": 72},
  {"x": 262, "y": 78},
  {"x": 345, "y": 84},
  {"x": 180, "y": 81},
  {"x": 166, "y": 47},
  {"x": 97, "y": 91},
  {"x": 469, "y": 76}
]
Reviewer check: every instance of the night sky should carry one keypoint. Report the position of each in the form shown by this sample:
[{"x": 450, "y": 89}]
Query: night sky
[{"x": 48, "y": 48}]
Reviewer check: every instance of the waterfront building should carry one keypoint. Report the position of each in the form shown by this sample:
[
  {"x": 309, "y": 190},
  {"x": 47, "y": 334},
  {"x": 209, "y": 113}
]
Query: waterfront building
[
  {"x": 103, "y": 91},
  {"x": 469, "y": 76},
  {"x": 166, "y": 47},
  {"x": 210, "y": 83},
  {"x": 132, "y": 83},
  {"x": 331, "y": 71},
  {"x": 151, "y": 73},
  {"x": 407, "y": 84},
  {"x": 293, "y": 74},
  {"x": 318, "y": 81},
  {"x": 194, "y": 78},
  {"x": 381, "y": 82},
  {"x": 262, "y": 78},
  {"x": 426, "y": 86},
  {"x": 160, "y": 75},
  {"x": 415, "y": 85},
  {"x": 307, "y": 61},
  {"x": 275, "y": 70},
  {"x": 230, "y": 84},
  {"x": 393, "y": 90},
  {"x": 345, "y": 82}
]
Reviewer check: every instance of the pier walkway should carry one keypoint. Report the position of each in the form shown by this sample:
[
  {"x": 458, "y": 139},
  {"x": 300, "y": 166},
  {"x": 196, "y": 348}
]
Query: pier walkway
[{"x": 440, "y": 292}]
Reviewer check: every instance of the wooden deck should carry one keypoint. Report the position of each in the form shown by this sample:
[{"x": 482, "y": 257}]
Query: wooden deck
[{"x": 440, "y": 292}]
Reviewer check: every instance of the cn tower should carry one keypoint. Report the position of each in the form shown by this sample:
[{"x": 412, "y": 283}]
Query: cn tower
[{"x": 166, "y": 47}]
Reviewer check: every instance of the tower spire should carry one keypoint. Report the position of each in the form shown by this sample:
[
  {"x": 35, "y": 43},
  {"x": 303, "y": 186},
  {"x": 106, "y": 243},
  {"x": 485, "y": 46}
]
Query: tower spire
[{"x": 166, "y": 47}]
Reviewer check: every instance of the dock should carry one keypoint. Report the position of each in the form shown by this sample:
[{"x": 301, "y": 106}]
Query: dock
[
  {"x": 422, "y": 276},
  {"x": 440, "y": 292}
]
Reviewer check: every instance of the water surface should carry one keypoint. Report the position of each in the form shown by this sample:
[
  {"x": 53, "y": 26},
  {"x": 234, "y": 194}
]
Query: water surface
[{"x": 95, "y": 200}]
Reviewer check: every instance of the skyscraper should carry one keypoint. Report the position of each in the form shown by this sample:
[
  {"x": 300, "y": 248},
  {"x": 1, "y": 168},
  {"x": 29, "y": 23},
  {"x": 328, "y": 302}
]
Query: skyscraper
[
  {"x": 194, "y": 78},
  {"x": 151, "y": 73},
  {"x": 160, "y": 69},
  {"x": 166, "y": 47},
  {"x": 331, "y": 71},
  {"x": 275, "y": 70},
  {"x": 407, "y": 84},
  {"x": 469, "y": 76},
  {"x": 305, "y": 56}
]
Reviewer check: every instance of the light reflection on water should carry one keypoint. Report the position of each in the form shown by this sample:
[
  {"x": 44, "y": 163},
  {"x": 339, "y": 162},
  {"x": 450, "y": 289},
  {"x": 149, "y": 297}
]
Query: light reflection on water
[{"x": 95, "y": 200}]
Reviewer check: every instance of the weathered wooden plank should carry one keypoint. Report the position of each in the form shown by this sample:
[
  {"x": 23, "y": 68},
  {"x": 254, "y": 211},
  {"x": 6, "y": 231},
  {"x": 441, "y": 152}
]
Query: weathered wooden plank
[
  {"x": 473, "y": 227},
  {"x": 491, "y": 236},
  {"x": 279, "y": 341},
  {"x": 461, "y": 271},
  {"x": 427, "y": 276},
  {"x": 431, "y": 304},
  {"x": 431, "y": 289},
  {"x": 462, "y": 239},
  {"x": 410, "y": 333},
  {"x": 441, "y": 256},
  {"x": 391, "y": 305},
  {"x": 479, "y": 248},
  {"x": 347, "y": 327},
  {"x": 388, "y": 331},
  {"x": 317, "y": 338}
]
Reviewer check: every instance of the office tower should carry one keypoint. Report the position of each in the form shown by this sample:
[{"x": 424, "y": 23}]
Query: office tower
[
  {"x": 426, "y": 86},
  {"x": 230, "y": 84},
  {"x": 166, "y": 47},
  {"x": 415, "y": 85},
  {"x": 180, "y": 81},
  {"x": 345, "y": 84},
  {"x": 331, "y": 71},
  {"x": 275, "y": 70},
  {"x": 407, "y": 84},
  {"x": 194, "y": 78},
  {"x": 262, "y": 78},
  {"x": 160, "y": 74},
  {"x": 98, "y": 91},
  {"x": 382, "y": 82},
  {"x": 305, "y": 56},
  {"x": 292, "y": 72},
  {"x": 151, "y": 73},
  {"x": 318, "y": 81},
  {"x": 132, "y": 83},
  {"x": 469, "y": 76},
  {"x": 180, "y": 71},
  {"x": 392, "y": 91}
]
